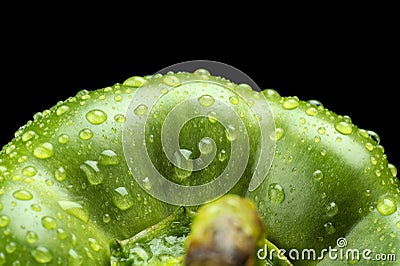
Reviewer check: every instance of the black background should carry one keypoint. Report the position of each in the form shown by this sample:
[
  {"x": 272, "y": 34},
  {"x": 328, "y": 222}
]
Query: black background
[{"x": 352, "y": 67}]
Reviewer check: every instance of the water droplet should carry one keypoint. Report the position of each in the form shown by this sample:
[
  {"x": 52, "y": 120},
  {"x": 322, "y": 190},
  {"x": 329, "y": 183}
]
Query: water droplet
[
  {"x": 206, "y": 100},
  {"x": 92, "y": 172},
  {"x": 28, "y": 135},
  {"x": 202, "y": 72},
  {"x": 146, "y": 183},
  {"x": 108, "y": 157},
  {"x": 378, "y": 173},
  {"x": 29, "y": 171},
  {"x": 398, "y": 225},
  {"x": 212, "y": 117},
  {"x": 369, "y": 146},
  {"x": 60, "y": 174},
  {"x": 11, "y": 247},
  {"x": 31, "y": 237},
  {"x": 206, "y": 146},
  {"x": 386, "y": 205},
  {"x": 61, "y": 233},
  {"x": 4, "y": 221},
  {"x": 118, "y": 98},
  {"x": 36, "y": 208},
  {"x": 271, "y": 94},
  {"x": 290, "y": 103},
  {"x": 261, "y": 205},
  {"x": 344, "y": 127},
  {"x": 302, "y": 120},
  {"x": 151, "y": 138},
  {"x": 22, "y": 194},
  {"x": 9, "y": 148},
  {"x": 141, "y": 110},
  {"x": 312, "y": 111},
  {"x": 315, "y": 103},
  {"x": 373, "y": 160},
  {"x": 49, "y": 222},
  {"x": 331, "y": 209},
  {"x": 234, "y": 100},
  {"x": 62, "y": 110},
  {"x": 134, "y": 81},
  {"x": 393, "y": 169},
  {"x": 106, "y": 218},
  {"x": 43, "y": 150},
  {"x": 63, "y": 139},
  {"x": 85, "y": 134},
  {"x": 94, "y": 245},
  {"x": 329, "y": 228},
  {"x": 119, "y": 118},
  {"x": 74, "y": 258},
  {"x": 42, "y": 255},
  {"x": 363, "y": 133},
  {"x": 276, "y": 193},
  {"x": 3, "y": 259},
  {"x": 96, "y": 116},
  {"x": 74, "y": 209},
  {"x": 374, "y": 136},
  {"x": 317, "y": 139},
  {"x": 231, "y": 132},
  {"x": 245, "y": 87},
  {"x": 122, "y": 199},
  {"x": 321, "y": 130},
  {"x": 277, "y": 134},
  {"x": 171, "y": 80},
  {"x": 367, "y": 193},
  {"x": 222, "y": 155},
  {"x": 318, "y": 175}
]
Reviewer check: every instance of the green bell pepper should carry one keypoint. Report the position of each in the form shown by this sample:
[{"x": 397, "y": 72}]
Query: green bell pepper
[{"x": 72, "y": 180}]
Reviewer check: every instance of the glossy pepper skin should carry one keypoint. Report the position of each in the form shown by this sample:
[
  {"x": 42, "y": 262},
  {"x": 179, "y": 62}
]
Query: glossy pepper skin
[{"x": 66, "y": 190}]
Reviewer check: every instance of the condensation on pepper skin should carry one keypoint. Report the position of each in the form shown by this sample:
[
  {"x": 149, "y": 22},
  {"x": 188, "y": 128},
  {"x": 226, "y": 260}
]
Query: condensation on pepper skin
[
  {"x": 386, "y": 205},
  {"x": 96, "y": 116}
]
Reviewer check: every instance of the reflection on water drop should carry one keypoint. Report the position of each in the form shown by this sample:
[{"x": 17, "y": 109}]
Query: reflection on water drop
[
  {"x": 318, "y": 175},
  {"x": 344, "y": 127},
  {"x": 206, "y": 100},
  {"x": 92, "y": 172},
  {"x": 276, "y": 193},
  {"x": 331, "y": 209},
  {"x": 386, "y": 205},
  {"x": 231, "y": 133},
  {"x": 22, "y": 194},
  {"x": 329, "y": 228},
  {"x": 206, "y": 145},
  {"x": 42, "y": 255},
  {"x": 122, "y": 199},
  {"x": 141, "y": 110},
  {"x": 290, "y": 103},
  {"x": 85, "y": 134},
  {"x": 96, "y": 116},
  {"x": 49, "y": 222},
  {"x": 63, "y": 139},
  {"x": 108, "y": 157},
  {"x": 43, "y": 150}
]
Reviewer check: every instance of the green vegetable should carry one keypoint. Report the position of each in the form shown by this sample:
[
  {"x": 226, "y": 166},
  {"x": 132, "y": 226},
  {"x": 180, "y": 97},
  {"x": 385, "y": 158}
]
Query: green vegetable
[{"x": 67, "y": 191}]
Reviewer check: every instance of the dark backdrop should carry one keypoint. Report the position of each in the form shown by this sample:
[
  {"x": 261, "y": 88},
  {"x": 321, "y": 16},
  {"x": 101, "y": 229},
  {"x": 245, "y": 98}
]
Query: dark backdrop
[{"x": 351, "y": 72}]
